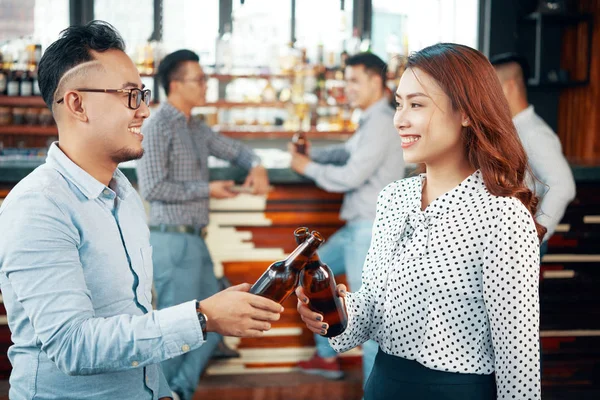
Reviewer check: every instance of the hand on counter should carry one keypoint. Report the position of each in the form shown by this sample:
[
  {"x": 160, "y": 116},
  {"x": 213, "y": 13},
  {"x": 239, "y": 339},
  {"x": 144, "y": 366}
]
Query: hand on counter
[
  {"x": 235, "y": 312},
  {"x": 314, "y": 321},
  {"x": 220, "y": 189},
  {"x": 299, "y": 161},
  {"x": 258, "y": 180}
]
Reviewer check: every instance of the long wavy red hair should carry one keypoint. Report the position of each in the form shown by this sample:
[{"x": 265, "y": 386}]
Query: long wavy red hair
[{"x": 491, "y": 140}]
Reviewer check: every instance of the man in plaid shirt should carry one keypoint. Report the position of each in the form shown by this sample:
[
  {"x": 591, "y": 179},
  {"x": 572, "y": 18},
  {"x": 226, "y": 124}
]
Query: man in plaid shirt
[{"x": 173, "y": 177}]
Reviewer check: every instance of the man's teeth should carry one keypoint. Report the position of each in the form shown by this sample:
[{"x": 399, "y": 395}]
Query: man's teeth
[
  {"x": 136, "y": 130},
  {"x": 410, "y": 139}
]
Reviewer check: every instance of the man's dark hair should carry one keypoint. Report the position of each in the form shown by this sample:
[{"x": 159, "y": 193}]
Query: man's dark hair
[
  {"x": 507, "y": 58},
  {"x": 372, "y": 64},
  {"x": 73, "y": 48},
  {"x": 170, "y": 67}
]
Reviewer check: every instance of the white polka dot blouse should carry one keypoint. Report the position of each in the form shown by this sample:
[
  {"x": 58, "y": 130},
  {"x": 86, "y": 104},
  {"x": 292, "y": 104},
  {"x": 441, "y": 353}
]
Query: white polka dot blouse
[{"x": 454, "y": 287}]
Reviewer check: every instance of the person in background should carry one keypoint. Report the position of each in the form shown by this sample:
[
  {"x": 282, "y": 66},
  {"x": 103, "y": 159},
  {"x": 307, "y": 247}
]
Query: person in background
[
  {"x": 555, "y": 184},
  {"x": 173, "y": 177},
  {"x": 76, "y": 262},
  {"x": 450, "y": 284},
  {"x": 360, "y": 168}
]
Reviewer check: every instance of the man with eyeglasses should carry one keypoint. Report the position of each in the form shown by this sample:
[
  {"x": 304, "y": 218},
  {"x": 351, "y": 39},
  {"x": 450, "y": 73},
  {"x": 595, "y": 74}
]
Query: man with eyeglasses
[
  {"x": 75, "y": 256},
  {"x": 173, "y": 177}
]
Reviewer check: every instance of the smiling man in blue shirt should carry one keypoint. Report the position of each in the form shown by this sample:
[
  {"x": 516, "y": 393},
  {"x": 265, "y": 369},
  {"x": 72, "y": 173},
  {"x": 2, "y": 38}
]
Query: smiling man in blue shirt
[{"x": 75, "y": 257}]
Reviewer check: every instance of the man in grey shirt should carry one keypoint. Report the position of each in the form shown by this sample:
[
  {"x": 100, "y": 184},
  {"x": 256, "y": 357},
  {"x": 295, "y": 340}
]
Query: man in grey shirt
[
  {"x": 360, "y": 168},
  {"x": 174, "y": 177}
]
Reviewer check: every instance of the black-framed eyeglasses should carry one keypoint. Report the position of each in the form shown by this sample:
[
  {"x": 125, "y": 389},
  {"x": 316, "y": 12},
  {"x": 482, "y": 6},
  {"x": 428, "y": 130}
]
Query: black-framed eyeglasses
[{"x": 136, "y": 96}]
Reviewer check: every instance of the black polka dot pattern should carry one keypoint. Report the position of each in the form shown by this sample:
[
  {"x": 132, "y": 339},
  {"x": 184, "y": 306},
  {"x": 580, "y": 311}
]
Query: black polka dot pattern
[{"x": 454, "y": 287}]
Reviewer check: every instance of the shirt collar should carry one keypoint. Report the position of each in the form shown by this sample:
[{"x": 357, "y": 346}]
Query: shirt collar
[
  {"x": 525, "y": 114},
  {"x": 382, "y": 103},
  {"x": 171, "y": 112},
  {"x": 86, "y": 183},
  {"x": 458, "y": 195}
]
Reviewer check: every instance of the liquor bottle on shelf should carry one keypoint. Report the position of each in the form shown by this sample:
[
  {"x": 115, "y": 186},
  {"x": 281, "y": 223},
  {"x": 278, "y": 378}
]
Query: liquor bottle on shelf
[
  {"x": 13, "y": 83},
  {"x": 36, "y": 84},
  {"x": 3, "y": 76},
  {"x": 26, "y": 84},
  {"x": 3, "y": 81},
  {"x": 319, "y": 286},
  {"x": 281, "y": 278},
  {"x": 268, "y": 94}
]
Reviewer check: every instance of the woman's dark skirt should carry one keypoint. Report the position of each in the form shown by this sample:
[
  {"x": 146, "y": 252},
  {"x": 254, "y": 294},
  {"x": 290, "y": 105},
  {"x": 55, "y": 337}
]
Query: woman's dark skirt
[{"x": 396, "y": 378}]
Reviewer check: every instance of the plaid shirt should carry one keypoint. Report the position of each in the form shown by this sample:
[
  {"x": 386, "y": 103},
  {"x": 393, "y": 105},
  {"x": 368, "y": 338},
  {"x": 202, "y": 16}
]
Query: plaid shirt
[{"x": 173, "y": 175}]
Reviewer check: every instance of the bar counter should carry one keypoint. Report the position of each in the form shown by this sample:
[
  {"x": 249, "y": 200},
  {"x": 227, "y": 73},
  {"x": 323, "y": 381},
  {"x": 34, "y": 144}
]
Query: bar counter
[{"x": 12, "y": 171}]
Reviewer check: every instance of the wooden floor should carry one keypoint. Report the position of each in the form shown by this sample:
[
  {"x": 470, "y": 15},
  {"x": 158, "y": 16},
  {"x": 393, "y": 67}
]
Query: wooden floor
[{"x": 284, "y": 386}]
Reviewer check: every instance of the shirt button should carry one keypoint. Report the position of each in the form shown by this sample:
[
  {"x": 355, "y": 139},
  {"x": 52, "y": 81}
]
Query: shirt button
[
  {"x": 185, "y": 348},
  {"x": 106, "y": 192},
  {"x": 135, "y": 364}
]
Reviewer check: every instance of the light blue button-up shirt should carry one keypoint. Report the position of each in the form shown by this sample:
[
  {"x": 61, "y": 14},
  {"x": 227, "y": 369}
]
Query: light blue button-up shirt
[{"x": 76, "y": 277}]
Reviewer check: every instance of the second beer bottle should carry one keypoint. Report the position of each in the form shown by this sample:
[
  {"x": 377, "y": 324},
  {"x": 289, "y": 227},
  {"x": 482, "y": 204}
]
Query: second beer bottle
[
  {"x": 281, "y": 278},
  {"x": 319, "y": 286}
]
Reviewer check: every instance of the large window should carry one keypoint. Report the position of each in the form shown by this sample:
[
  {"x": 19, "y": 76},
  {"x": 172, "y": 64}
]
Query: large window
[
  {"x": 35, "y": 21},
  {"x": 261, "y": 30},
  {"x": 133, "y": 20},
  {"x": 412, "y": 25},
  {"x": 193, "y": 25},
  {"x": 323, "y": 22}
]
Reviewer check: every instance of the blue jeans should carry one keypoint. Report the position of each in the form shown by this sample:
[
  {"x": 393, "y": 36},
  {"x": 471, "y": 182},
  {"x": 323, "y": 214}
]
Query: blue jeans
[
  {"x": 183, "y": 271},
  {"x": 345, "y": 252}
]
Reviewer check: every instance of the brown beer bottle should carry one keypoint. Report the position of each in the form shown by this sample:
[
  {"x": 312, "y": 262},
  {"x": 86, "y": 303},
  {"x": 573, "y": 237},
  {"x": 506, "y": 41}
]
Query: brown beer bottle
[
  {"x": 319, "y": 286},
  {"x": 299, "y": 141},
  {"x": 281, "y": 278}
]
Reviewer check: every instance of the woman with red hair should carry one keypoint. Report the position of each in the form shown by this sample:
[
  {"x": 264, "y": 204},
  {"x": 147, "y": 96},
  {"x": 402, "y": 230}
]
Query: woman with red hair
[{"x": 450, "y": 283}]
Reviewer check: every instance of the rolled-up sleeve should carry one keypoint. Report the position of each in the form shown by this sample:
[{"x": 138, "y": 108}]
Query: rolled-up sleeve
[
  {"x": 336, "y": 154},
  {"x": 360, "y": 165}
]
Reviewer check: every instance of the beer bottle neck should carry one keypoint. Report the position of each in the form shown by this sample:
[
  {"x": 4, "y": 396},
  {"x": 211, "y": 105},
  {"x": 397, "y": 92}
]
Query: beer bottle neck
[
  {"x": 314, "y": 262},
  {"x": 304, "y": 251}
]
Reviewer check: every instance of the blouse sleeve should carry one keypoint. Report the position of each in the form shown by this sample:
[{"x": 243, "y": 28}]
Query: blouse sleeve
[
  {"x": 510, "y": 292},
  {"x": 365, "y": 307}
]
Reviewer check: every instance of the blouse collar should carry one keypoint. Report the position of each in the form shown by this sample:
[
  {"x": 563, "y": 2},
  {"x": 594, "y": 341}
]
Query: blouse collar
[
  {"x": 459, "y": 194},
  {"x": 419, "y": 223}
]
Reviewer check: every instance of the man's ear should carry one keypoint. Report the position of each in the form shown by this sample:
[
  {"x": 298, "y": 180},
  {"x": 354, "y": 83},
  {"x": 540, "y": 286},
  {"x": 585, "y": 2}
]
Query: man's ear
[{"x": 74, "y": 105}]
